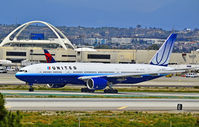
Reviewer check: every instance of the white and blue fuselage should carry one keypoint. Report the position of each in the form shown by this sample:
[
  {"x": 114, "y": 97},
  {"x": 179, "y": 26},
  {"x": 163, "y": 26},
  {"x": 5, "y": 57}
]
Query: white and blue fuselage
[{"x": 68, "y": 73}]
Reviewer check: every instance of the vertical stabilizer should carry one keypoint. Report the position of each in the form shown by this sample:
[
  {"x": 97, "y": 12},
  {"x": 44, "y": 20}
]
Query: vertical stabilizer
[
  {"x": 49, "y": 58},
  {"x": 161, "y": 58}
]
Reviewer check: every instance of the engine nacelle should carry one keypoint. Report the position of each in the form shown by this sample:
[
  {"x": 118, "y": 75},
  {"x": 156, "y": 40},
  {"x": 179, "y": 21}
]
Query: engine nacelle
[
  {"x": 56, "y": 85},
  {"x": 96, "y": 83}
]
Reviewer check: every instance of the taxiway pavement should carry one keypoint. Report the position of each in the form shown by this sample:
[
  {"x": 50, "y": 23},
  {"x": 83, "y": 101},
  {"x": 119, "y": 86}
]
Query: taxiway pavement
[
  {"x": 97, "y": 104},
  {"x": 55, "y": 93}
]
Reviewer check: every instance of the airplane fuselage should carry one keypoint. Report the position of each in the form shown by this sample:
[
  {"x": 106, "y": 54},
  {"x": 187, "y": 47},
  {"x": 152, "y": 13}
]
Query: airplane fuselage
[{"x": 68, "y": 73}]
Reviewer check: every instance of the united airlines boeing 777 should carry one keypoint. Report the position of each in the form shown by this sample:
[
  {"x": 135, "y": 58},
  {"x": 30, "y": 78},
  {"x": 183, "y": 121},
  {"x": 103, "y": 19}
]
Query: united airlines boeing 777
[{"x": 98, "y": 76}]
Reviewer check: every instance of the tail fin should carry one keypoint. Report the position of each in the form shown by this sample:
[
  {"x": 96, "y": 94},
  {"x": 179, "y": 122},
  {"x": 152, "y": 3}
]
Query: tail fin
[
  {"x": 49, "y": 58},
  {"x": 161, "y": 58}
]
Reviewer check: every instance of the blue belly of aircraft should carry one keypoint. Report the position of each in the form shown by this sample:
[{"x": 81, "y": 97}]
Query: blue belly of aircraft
[{"x": 73, "y": 78}]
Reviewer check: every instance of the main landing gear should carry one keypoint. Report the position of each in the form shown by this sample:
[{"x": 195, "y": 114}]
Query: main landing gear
[
  {"x": 31, "y": 89},
  {"x": 86, "y": 90},
  {"x": 110, "y": 90}
]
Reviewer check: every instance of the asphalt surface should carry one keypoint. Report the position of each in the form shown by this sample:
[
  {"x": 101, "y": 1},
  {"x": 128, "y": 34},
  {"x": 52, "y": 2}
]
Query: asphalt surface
[
  {"x": 190, "y": 101},
  {"x": 42, "y": 93},
  {"x": 97, "y": 104}
]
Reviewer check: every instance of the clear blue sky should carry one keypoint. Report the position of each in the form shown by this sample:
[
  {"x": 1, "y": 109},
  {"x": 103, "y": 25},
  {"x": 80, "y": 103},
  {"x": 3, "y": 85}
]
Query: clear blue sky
[{"x": 165, "y": 14}]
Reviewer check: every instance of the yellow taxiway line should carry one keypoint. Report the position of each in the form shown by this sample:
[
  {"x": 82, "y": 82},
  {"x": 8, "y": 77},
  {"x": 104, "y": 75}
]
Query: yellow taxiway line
[
  {"x": 123, "y": 107},
  {"x": 7, "y": 107}
]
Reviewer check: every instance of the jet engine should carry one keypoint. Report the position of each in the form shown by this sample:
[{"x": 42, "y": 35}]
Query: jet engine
[
  {"x": 96, "y": 83},
  {"x": 56, "y": 85}
]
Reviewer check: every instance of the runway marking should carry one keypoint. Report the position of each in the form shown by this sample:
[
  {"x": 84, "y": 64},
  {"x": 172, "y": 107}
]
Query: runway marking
[
  {"x": 7, "y": 107},
  {"x": 123, "y": 107}
]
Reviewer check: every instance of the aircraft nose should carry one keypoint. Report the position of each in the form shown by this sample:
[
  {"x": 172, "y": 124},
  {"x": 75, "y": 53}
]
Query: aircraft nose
[{"x": 18, "y": 75}]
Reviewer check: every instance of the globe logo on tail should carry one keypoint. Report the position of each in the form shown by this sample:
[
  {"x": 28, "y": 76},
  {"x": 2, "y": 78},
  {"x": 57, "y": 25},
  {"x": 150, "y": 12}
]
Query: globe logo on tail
[{"x": 161, "y": 58}]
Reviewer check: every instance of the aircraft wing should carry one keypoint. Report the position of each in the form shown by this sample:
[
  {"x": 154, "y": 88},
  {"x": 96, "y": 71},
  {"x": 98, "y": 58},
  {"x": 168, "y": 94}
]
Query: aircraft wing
[
  {"x": 134, "y": 75},
  {"x": 187, "y": 69}
]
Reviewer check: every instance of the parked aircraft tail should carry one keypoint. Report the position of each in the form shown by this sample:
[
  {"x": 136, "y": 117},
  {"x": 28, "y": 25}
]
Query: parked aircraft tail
[
  {"x": 161, "y": 58},
  {"x": 49, "y": 58}
]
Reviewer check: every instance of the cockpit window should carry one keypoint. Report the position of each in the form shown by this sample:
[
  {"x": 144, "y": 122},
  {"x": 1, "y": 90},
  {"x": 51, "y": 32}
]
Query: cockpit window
[{"x": 23, "y": 71}]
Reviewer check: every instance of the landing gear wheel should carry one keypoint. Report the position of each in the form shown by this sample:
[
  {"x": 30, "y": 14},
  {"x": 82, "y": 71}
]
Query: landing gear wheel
[
  {"x": 31, "y": 89},
  {"x": 86, "y": 90},
  {"x": 110, "y": 91},
  {"x": 91, "y": 91},
  {"x": 179, "y": 107},
  {"x": 115, "y": 91}
]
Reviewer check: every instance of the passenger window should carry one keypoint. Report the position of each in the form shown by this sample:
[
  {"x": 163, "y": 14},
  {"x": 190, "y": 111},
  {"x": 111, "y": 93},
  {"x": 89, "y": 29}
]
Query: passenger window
[
  {"x": 62, "y": 68},
  {"x": 74, "y": 67},
  {"x": 70, "y": 67},
  {"x": 65, "y": 67},
  {"x": 53, "y": 68},
  {"x": 58, "y": 68}
]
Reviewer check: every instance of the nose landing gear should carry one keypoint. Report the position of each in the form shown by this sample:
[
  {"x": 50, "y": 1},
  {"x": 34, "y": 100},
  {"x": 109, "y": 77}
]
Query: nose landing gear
[{"x": 31, "y": 89}]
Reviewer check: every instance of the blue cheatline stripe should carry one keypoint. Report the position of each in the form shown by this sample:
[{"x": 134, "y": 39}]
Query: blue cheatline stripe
[
  {"x": 74, "y": 74},
  {"x": 63, "y": 74}
]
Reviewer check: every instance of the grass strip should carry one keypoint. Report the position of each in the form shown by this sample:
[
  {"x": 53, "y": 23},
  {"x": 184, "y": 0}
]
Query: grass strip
[{"x": 108, "y": 119}]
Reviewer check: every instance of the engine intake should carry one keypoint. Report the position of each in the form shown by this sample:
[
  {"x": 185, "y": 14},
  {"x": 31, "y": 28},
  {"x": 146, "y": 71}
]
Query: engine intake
[{"x": 96, "y": 83}]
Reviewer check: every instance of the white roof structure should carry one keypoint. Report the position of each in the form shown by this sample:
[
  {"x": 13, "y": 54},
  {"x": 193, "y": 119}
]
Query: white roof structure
[
  {"x": 61, "y": 40},
  {"x": 85, "y": 49}
]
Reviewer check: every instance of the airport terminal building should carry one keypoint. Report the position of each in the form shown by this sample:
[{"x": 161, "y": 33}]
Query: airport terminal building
[{"x": 11, "y": 48}]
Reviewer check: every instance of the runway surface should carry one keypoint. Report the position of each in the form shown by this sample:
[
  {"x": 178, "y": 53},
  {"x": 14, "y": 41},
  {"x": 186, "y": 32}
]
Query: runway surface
[
  {"x": 138, "y": 101},
  {"x": 48, "y": 93},
  {"x": 97, "y": 104}
]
